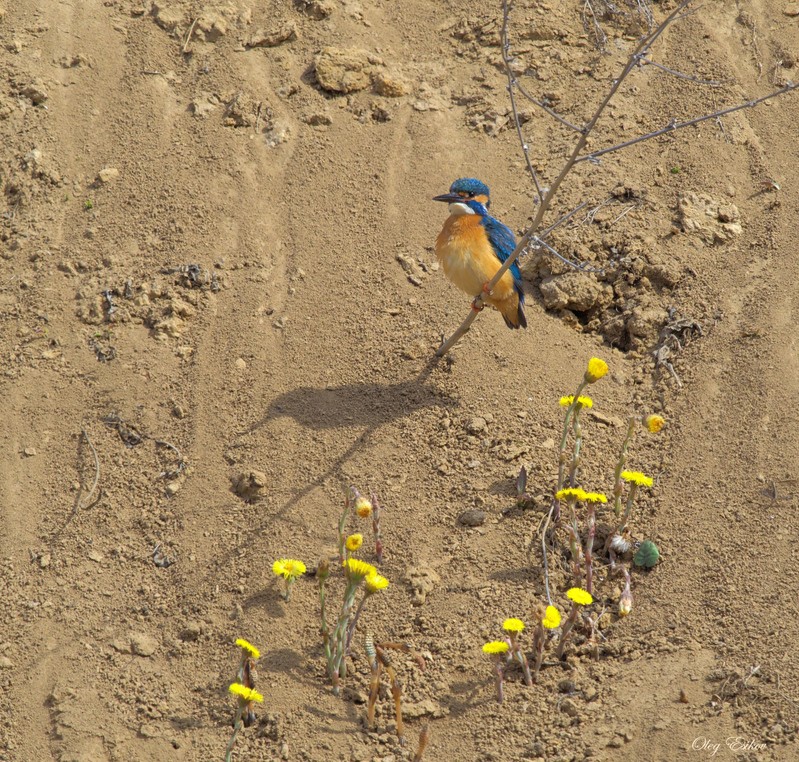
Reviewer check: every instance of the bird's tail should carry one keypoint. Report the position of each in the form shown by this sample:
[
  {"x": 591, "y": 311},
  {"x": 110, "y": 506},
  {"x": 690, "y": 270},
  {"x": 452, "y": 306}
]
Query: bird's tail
[{"x": 513, "y": 313}]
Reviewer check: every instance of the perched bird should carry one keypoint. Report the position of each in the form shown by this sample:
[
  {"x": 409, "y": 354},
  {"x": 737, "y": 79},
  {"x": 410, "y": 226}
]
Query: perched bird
[{"x": 472, "y": 246}]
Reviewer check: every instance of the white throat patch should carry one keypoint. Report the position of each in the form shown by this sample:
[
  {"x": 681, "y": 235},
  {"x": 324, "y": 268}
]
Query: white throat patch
[{"x": 459, "y": 209}]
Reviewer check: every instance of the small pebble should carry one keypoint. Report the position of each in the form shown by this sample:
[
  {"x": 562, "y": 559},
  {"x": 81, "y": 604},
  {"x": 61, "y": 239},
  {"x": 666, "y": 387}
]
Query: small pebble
[{"x": 472, "y": 518}]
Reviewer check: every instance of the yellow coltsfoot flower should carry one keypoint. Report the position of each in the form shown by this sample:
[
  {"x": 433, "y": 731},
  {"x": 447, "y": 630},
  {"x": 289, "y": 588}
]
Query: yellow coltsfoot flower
[
  {"x": 248, "y": 694},
  {"x": 582, "y": 401},
  {"x": 579, "y": 596},
  {"x": 496, "y": 647},
  {"x": 249, "y": 648},
  {"x": 353, "y": 542},
  {"x": 358, "y": 569},
  {"x": 375, "y": 582},
  {"x": 654, "y": 423},
  {"x": 363, "y": 507},
  {"x": 596, "y": 369},
  {"x": 551, "y": 618},
  {"x": 638, "y": 478},
  {"x": 513, "y": 625},
  {"x": 594, "y": 497},
  {"x": 571, "y": 493},
  {"x": 288, "y": 568}
]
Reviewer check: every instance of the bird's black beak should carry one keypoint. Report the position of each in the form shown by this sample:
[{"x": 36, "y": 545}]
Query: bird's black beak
[{"x": 448, "y": 198}]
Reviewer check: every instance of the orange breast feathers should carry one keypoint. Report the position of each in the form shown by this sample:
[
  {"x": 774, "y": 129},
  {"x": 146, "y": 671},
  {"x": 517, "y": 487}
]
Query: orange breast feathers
[{"x": 469, "y": 261}]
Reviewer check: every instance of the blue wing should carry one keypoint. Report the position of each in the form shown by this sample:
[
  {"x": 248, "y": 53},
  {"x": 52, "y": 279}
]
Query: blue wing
[{"x": 504, "y": 243}]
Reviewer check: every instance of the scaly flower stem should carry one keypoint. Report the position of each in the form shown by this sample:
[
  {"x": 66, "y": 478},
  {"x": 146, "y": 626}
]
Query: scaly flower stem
[
  {"x": 349, "y": 500},
  {"x": 618, "y": 486},
  {"x": 538, "y": 646},
  {"x": 578, "y": 444},
  {"x": 574, "y": 543},
  {"x": 522, "y": 659},
  {"x": 354, "y": 623},
  {"x": 566, "y": 631},
  {"x": 589, "y": 547},
  {"x": 628, "y": 508},
  {"x": 499, "y": 679},
  {"x": 562, "y": 458},
  {"x": 325, "y": 627},
  {"x": 236, "y": 728},
  {"x": 339, "y": 636},
  {"x": 376, "y": 528}
]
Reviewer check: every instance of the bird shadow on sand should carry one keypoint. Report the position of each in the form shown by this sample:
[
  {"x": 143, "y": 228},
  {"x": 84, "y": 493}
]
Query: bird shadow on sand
[{"x": 370, "y": 405}]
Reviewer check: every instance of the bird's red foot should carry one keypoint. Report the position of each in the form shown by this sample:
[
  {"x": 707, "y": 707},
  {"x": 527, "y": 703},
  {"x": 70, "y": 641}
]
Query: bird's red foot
[
  {"x": 486, "y": 289},
  {"x": 477, "y": 307}
]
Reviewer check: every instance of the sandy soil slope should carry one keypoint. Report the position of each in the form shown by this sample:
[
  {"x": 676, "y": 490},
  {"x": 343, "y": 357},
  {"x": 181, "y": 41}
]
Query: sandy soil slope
[{"x": 216, "y": 258}]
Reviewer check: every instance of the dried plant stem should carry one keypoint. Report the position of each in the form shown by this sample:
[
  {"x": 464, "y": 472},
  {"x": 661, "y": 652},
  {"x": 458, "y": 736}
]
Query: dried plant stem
[
  {"x": 424, "y": 738},
  {"x": 81, "y": 503}
]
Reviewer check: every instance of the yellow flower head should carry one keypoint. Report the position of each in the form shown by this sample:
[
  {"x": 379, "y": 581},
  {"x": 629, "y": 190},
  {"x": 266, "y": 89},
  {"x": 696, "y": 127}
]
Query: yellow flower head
[
  {"x": 363, "y": 508},
  {"x": 654, "y": 423},
  {"x": 579, "y": 596},
  {"x": 495, "y": 647},
  {"x": 357, "y": 569},
  {"x": 596, "y": 369},
  {"x": 248, "y": 694},
  {"x": 289, "y": 568},
  {"x": 353, "y": 542},
  {"x": 594, "y": 497},
  {"x": 375, "y": 582},
  {"x": 249, "y": 648},
  {"x": 513, "y": 625},
  {"x": 638, "y": 478},
  {"x": 570, "y": 493},
  {"x": 582, "y": 401},
  {"x": 551, "y": 619}
]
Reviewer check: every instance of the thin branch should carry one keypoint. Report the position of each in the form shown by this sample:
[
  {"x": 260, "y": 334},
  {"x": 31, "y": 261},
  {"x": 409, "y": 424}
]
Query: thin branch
[
  {"x": 506, "y": 60},
  {"x": 674, "y": 125},
  {"x": 538, "y": 243},
  {"x": 549, "y": 111},
  {"x": 562, "y": 219},
  {"x": 478, "y": 303},
  {"x": 709, "y": 82}
]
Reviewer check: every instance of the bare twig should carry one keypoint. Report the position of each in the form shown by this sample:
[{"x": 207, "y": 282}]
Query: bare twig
[
  {"x": 79, "y": 505},
  {"x": 553, "y": 114},
  {"x": 185, "y": 48},
  {"x": 537, "y": 243},
  {"x": 675, "y": 125},
  {"x": 709, "y": 82},
  {"x": 511, "y": 93}
]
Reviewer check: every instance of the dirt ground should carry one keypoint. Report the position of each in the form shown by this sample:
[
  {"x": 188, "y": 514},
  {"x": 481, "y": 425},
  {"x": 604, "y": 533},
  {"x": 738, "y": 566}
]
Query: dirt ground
[{"x": 216, "y": 259}]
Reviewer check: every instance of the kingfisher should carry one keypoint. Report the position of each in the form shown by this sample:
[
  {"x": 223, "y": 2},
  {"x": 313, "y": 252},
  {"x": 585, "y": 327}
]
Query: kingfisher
[{"x": 472, "y": 246}]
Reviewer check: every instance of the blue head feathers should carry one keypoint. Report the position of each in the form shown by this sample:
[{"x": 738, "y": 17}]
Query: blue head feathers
[{"x": 471, "y": 187}]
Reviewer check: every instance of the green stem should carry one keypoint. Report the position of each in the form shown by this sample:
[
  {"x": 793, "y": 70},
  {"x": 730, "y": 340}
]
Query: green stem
[
  {"x": 629, "y": 507},
  {"x": 565, "y": 434},
  {"x": 236, "y": 728},
  {"x": 618, "y": 486}
]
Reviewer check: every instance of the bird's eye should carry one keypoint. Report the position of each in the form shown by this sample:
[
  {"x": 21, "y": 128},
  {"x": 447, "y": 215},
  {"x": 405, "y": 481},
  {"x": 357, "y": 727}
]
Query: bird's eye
[{"x": 471, "y": 194}]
